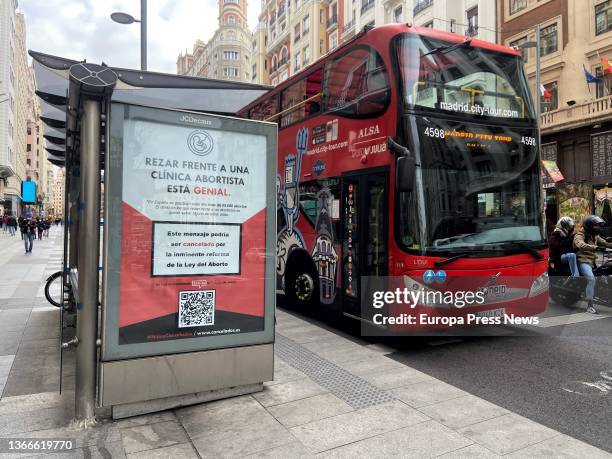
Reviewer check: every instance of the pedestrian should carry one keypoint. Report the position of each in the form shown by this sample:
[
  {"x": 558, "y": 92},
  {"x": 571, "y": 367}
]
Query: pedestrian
[
  {"x": 47, "y": 226},
  {"x": 28, "y": 229},
  {"x": 5, "y": 222},
  {"x": 20, "y": 224},
  {"x": 12, "y": 225},
  {"x": 40, "y": 227}
]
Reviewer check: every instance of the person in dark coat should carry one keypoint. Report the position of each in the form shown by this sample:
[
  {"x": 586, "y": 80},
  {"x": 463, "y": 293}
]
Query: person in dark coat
[
  {"x": 561, "y": 244},
  {"x": 28, "y": 230}
]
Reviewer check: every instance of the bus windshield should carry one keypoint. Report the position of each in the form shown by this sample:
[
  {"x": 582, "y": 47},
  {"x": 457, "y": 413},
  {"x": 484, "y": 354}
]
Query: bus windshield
[
  {"x": 477, "y": 182},
  {"x": 462, "y": 79}
]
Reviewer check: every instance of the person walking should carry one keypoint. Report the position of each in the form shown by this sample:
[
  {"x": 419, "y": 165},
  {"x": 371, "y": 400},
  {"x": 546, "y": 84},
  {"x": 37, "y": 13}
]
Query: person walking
[
  {"x": 12, "y": 223},
  {"x": 20, "y": 224},
  {"x": 28, "y": 229},
  {"x": 5, "y": 218},
  {"x": 40, "y": 227},
  {"x": 587, "y": 241}
]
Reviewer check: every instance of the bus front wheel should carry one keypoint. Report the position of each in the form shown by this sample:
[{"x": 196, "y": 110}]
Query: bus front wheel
[{"x": 302, "y": 288}]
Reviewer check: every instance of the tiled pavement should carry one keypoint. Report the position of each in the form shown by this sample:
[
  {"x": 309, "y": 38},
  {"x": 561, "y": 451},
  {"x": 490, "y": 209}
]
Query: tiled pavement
[{"x": 306, "y": 411}]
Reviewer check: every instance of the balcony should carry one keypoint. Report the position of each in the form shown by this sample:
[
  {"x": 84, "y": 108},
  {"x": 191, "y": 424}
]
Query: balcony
[
  {"x": 366, "y": 5},
  {"x": 332, "y": 22},
  {"x": 588, "y": 112},
  {"x": 421, "y": 5}
]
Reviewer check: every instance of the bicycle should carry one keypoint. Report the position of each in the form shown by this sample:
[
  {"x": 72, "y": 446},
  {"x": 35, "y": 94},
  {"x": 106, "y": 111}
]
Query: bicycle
[{"x": 53, "y": 292}]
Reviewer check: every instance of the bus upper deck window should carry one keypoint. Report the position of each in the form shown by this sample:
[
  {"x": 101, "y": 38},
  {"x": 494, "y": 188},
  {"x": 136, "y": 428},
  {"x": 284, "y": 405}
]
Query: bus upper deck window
[{"x": 358, "y": 84}]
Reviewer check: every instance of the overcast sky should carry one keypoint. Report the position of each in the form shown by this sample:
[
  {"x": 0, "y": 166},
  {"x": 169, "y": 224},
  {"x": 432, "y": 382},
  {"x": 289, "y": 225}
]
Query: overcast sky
[{"x": 82, "y": 29}]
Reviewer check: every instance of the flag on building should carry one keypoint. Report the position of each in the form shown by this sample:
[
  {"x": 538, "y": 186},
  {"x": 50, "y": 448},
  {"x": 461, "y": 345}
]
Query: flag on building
[
  {"x": 590, "y": 78},
  {"x": 546, "y": 94},
  {"x": 606, "y": 66}
]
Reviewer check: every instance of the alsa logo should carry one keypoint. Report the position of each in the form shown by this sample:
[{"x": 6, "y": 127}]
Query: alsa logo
[{"x": 367, "y": 132}]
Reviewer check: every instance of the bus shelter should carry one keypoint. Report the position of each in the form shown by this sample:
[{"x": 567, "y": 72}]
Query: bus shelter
[{"x": 169, "y": 237}]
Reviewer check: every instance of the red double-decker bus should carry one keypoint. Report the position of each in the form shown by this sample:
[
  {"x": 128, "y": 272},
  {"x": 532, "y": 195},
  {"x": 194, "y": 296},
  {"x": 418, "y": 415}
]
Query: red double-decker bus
[{"x": 405, "y": 152}]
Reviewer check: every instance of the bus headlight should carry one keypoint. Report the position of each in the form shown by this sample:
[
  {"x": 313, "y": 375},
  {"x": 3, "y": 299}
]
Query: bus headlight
[{"x": 539, "y": 286}]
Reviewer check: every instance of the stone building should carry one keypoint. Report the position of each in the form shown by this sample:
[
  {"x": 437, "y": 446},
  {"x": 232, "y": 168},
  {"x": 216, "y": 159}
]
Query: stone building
[
  {"x": 576, "y": 123},
  {"x": 293, "y": 34},
  {"x": 227, "y": 55}
]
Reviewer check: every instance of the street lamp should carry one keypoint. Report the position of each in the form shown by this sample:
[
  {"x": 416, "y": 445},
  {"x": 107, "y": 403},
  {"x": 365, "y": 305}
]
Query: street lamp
[
  {"x": 536, "y": 44},
  {"x": 124, "y": 18}
]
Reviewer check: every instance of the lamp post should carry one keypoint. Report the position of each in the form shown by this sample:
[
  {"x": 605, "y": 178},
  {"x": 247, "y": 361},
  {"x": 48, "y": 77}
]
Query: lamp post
[{"x": 124, "y": 18}]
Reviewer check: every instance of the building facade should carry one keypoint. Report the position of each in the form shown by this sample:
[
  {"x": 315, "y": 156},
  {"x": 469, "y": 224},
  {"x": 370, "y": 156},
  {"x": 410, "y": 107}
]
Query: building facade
[
  {"x": 576, "y": 120},
  {"x": 227, "y": 55},
  {"x": 36, "y": 163},
  {"x": 8, "y": 105},
  {"x": 293, "y": 34},
  {"x": 57, "y": 193}
]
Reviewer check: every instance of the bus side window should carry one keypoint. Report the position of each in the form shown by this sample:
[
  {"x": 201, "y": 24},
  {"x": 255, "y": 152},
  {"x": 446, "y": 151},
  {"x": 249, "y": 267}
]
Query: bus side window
[
  {"x": 293, "y": 97},
  {"x": 357, "y": 84},
  {"x": 265, "y": 109}
]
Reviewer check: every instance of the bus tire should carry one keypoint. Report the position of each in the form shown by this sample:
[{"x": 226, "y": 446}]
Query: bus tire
[{"x": 301, "y": 283}]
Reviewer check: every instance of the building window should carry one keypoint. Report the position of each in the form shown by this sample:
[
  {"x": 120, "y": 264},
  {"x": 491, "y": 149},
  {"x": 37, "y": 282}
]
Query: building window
[
  {"x": 472, "y": 22},
  {"x": 321, "y": 46},
  {"x": 603, "y": 17},
  {"x": 231, "y": 1},
  {"x": 333, "y": 41},
  {"x": 230, "y": 72},
  {"x": 306, "y": 55},
  {"x": 518, "y": 43},
  {"x": 321, "y": 16},
  {"x": 600, "y": 88},
  {"x": 306, "y": 24},
  {"x": 552, "y": 101},
  {"x": 421, "y": 5},
  {"x": 296, "y": 61},
  {"x": 231, "y": 19},
  {"x": 366, "y": 5},
  {"x": 517, "y": 5},
  {"x": 296, "y": 33},
  {"x": 548, "y": 39},
  {"x": 230, "y": 55},
  {"x": 398, "y": 14},
  {"x": 29, "y": 147}
]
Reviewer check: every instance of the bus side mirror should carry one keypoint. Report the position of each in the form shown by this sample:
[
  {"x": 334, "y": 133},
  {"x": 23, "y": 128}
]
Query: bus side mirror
[{"x": 405, "y": 174}]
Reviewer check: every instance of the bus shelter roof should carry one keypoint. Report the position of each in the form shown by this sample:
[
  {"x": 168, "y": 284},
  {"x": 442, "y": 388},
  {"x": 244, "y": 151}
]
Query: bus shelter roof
[{"x": 58, "y": 91}]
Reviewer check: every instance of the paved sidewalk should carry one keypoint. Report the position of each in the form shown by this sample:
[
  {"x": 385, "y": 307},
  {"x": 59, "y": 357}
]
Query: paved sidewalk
[{"x": 332, "y": 396}]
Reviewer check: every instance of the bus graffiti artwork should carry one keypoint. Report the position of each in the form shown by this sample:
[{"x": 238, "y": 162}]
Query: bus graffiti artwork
[{"x": 289, "y": 237}]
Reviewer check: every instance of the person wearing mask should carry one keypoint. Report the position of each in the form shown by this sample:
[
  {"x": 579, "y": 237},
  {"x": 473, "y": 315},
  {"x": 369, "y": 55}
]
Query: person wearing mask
[
  {"x": 28, "y": 229},
  {"x": 561, "y": 246},
  {"x": 586, "y": 242}
]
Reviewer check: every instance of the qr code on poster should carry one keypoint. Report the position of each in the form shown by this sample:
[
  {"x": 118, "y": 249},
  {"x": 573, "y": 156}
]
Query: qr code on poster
[{"x": 196, "y": 308}]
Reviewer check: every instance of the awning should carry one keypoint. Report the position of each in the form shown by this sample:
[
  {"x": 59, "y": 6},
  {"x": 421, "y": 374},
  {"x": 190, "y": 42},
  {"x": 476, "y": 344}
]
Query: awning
[{"x": 551, "y": 172}]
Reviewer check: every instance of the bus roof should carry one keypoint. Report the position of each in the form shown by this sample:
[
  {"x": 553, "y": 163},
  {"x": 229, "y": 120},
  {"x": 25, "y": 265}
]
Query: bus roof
[{"x": 391, "y": 30}]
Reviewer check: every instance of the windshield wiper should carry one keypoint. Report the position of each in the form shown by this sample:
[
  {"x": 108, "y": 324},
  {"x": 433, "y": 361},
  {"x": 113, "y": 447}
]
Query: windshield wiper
[
  {"x": 448, "y": 48},
  {"x": 530, "y": 250},
  {"x": 448, "y": 260}
]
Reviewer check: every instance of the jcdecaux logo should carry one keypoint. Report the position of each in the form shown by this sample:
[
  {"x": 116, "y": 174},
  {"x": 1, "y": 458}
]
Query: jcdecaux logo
[{"x": 430, "y": 276}]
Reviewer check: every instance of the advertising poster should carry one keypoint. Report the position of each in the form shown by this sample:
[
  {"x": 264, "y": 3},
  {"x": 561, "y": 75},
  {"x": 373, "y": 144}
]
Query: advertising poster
[{"x": 188, "y": 204}]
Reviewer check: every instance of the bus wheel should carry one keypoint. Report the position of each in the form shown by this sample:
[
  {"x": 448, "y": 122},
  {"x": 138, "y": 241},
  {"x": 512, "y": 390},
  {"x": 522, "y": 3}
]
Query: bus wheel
[{"x": 302, "y": 289}]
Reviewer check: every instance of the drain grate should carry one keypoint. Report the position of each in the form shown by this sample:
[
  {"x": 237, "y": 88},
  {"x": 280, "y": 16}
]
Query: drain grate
[{"x": 346, "y": 386}]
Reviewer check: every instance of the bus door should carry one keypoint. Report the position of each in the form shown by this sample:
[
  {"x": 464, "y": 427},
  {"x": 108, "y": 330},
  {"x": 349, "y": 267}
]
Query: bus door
[{"x": 365, "y": 217}]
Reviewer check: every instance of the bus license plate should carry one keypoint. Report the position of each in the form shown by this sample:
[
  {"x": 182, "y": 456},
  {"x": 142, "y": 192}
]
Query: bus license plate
[{"x": 492, "y": 313}]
